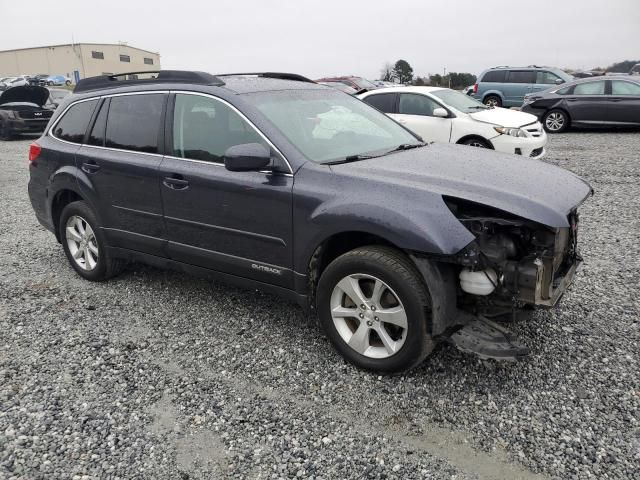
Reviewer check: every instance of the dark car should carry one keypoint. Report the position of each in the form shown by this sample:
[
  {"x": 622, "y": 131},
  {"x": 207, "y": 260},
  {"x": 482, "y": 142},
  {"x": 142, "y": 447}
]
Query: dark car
[
  {"x": 23, "y": 110},
  {"x": 272, "y": 181},
  {"x": 39, "y": 79},
  {"x": 599, "y": 101}
]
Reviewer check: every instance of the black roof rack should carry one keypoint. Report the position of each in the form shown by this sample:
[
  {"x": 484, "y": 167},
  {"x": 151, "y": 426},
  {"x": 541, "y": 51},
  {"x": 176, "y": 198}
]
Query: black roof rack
[
  {"x": 279, "y": 75},
  {"x": 159, "y": 76}
]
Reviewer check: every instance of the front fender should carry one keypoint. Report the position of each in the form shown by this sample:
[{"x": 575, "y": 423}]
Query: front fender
[{"x": 423, "y": 225}]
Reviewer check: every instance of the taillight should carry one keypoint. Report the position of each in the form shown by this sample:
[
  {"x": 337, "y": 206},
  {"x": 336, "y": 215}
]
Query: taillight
[
  {"x": 475, "y": 88},
  {"x": 34, "y": 151}
]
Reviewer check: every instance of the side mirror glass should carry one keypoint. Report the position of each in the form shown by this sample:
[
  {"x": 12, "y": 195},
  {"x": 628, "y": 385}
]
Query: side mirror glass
[
  {"x": 247, "y": 157},
  {"x": 440, "y": 112}
]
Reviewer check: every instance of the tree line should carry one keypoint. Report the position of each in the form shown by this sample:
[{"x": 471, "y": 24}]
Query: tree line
[{"x": 401, "y": 72}]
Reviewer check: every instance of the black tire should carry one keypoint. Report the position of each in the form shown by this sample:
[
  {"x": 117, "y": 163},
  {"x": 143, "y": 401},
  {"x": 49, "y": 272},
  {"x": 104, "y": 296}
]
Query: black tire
[
  {"x": 67, "y": 83},
  {"x": 5, "y": 132},
  {"x": 492, "y": 100},
  {"x": 401, "y": 276},
  {"x": 50, "y": 84},
  {"x": 476, "y": 142},
  {"x": 556, "y": 121},
  {"x": 106, "y": 266}
]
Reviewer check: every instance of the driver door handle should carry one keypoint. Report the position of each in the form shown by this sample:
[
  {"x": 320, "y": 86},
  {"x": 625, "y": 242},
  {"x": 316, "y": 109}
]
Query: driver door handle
[
  {"x": 175, "y": 182},
  {"x": 90, "y": 167}
]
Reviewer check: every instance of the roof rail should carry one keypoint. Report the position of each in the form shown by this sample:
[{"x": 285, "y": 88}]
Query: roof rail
[
  {"x": 158, "y": 76},
  {"x": 279, "y": 75}
]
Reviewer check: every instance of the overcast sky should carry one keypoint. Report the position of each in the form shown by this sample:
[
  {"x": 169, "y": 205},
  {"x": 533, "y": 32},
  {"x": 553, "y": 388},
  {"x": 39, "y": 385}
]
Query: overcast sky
[{"x": 331, "y": 37}]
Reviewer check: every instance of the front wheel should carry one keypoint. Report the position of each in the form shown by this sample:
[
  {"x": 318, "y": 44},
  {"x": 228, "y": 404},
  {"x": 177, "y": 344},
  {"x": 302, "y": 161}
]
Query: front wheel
[
  {"x": 555, "y": 121},
  {"x": 84, "y": 244},
  {"x": 68, "y": 83},
  {"x": 5, "y": 131},
  {"x": 476, "y": 142},
  {"x": 375, "y": 309}
]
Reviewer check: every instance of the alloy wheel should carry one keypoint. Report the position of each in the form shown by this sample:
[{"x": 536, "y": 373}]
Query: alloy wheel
[
  {"x": 491, "y": 102},
  {"x": 554, "y": 121},
  {"x": 82, "y": 243},
  {"x": 369, "y": 316}
]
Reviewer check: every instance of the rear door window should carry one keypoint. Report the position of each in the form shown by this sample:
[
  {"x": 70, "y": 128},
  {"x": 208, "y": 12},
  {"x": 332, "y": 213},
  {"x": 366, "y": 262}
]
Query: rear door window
[
  {"x": 494, "y": 76},
  {"x": 385, "y": 102},
  {"x": 589, "y": 88},
  {"x": 521, "y": 76},
  {"x": 73, "y": 125},
  {"x": 134, "y": 122},
  {"x": 96, "y": 137}
]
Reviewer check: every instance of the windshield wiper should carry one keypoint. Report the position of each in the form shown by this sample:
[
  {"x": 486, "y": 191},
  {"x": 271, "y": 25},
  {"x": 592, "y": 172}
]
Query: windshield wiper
[
  {"x": 356, "y": 158},
  {"x": 405, "y": 146},
  {"x": 350, "y": 158}
]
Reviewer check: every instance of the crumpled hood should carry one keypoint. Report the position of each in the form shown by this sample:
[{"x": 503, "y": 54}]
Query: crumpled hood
[
  {"x": 527, "y": 188},
  {"x": 504, "y": 117},
  {"x": 26, "y": 93}
]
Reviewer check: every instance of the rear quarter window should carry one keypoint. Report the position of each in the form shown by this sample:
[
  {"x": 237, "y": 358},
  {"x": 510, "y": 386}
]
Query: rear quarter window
[
  {"x": 73, "y": 124},
  {"x": 494, "y": 76}
]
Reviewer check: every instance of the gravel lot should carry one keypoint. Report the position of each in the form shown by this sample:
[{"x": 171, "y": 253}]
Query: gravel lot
[{"x": 159, "y": 375}]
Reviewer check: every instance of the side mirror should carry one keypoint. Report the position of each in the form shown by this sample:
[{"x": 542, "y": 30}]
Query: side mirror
[
  {"x": 559, "y": 81},
  {"x": 247, "y": 157},
  {"x": 440, "y": 112}
]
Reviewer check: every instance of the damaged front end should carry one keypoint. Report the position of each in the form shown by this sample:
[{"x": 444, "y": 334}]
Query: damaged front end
[{"x": 513, "y": 262}]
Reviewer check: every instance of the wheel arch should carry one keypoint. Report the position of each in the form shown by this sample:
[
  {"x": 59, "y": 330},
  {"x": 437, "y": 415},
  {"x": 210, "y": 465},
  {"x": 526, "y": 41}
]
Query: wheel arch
[
  {"x": 494, "y": 93},
  {"x": 59, "y": 200}
]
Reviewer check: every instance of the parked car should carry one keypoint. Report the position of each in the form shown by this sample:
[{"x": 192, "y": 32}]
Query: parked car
[
  {"x": 358, "y": 83},
  {"x": 56, "y": 96},
  {"x": 22, "y": 110},
  {"x": 600, "y": 101},
  {"x": 343, "y": 87},
  {"x": 635, "y": 70},
  {"x": 397, "y": 243},
  {"x": 57, "y": 80},
  {"x": 507, "y": 86},
  {"x": 40, "y": 79},
  {"x": 19, "y": 81},
  {"x": 445, "y": 115}
]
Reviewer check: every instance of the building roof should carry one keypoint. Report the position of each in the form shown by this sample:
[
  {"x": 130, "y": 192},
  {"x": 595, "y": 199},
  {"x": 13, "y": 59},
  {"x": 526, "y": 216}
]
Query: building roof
[{"x": 80, "y": 44}]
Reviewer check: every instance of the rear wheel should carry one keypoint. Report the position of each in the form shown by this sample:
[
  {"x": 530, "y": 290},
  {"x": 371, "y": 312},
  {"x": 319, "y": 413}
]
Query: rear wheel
[
  {"x": 555, "y": 121},
  {"x": 492, "y": 101},
  {"x": 375, "y": 309},
  {"x": 84, "y": 245},
  {"x": 67, "y": 83}
]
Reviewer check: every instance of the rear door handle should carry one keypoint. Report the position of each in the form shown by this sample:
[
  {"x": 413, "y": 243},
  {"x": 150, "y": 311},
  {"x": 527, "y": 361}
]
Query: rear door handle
[
  {"x": 175, "y": 182},
  {"x": 90, "y": 167}
]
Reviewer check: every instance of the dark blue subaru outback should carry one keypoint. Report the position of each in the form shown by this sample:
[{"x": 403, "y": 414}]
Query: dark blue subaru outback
[{"x": 273, "y": 181}]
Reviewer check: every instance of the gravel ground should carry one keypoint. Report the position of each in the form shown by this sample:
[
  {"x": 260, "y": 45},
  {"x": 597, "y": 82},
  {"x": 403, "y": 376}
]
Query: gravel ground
[{"x": 159, "y": 375}]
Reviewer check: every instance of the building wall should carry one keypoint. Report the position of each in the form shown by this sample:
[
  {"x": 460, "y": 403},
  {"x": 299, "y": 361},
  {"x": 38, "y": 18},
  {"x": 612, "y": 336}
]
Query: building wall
[{"x": 64, "y": 59}]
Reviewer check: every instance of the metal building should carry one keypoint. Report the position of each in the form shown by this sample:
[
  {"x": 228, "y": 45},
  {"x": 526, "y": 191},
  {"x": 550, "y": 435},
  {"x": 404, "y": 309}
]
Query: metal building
[{"x": 77, "y": 60}]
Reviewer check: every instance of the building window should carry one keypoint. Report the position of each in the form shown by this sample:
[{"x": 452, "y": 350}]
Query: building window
[
  {"x": 148, "y": 61},
  {"x": 125, "y": 58},
  {"x": 98, "y": 55}
]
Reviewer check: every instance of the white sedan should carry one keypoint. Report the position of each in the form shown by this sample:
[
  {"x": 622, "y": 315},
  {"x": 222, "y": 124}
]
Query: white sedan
[{"x": 444, "y": 115}]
